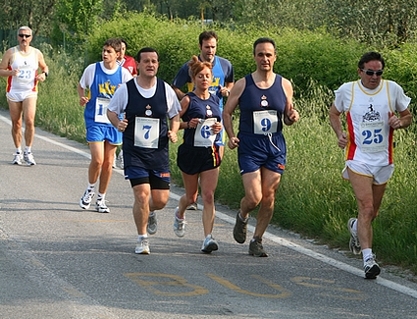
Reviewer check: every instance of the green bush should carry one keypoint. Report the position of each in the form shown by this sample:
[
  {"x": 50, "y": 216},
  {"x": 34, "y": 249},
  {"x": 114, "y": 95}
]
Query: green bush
[{"x": 313, "y": 199}]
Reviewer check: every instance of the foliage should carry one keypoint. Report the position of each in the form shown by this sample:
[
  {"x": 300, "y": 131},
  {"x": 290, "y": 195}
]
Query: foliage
[
  {"x": 313, "y": 199},
  {"x": 381, "y": 23}
]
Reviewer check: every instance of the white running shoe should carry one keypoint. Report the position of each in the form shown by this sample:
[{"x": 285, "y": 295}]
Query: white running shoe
[
  {"x": 371, "y": 268},
  {"x": 28, "y": 157},
  {"x": 179, "y": 225},
  {"x": 101, "y": 206},
  {"x": 17, "y": 159},
  {"x": 354, "y": 245},
  {"x": 209, "y": 245},
  {"x": 142, "y": 247},
  {"x": 86, "y": 199}
]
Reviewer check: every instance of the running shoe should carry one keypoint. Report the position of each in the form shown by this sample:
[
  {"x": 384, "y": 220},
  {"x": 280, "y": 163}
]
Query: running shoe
[
  {"x": 179, "y": 225},
  {"x": 152, "y": 226},
  {"x": 193, "y": 206},
  {"x": 29, "y": 159},
  {"x": 240, "y": 229},
  {"x": 209, "y": 245},
  {"x": 142, "y": 247},
  {"x": 256, "y": 249},
  {"x": 354, "y": 245},
  {"x": 86, "y": 199},
  {"x": 371, "y": 268},
  {"x": 101, "y": 206},
  {"x": 17, "y": 159}
]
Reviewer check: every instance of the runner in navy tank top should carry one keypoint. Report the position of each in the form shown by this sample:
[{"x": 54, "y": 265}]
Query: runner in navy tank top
[
  {"x": 198, "y": 157},
  {"x": 146, "y": 102},
  {"x": 265, "y": 101}
]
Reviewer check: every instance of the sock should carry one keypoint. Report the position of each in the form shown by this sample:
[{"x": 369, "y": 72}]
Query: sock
[
  {"x": 90, "y": 187},
  {"x": 28, "y": 149},
  {"x": 19, "y": 150},
  {"x": 241, "y": 218},
  {"x": 366, "y": 254},
  {"x": 140, "y": 237},
  {"x": 101, "y": 196}
]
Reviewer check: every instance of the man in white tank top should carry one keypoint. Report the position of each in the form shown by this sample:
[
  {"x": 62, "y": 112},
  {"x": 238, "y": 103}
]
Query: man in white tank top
[
  {"x": 374, "y": 109},
  {"x": 20, "y": 65}
]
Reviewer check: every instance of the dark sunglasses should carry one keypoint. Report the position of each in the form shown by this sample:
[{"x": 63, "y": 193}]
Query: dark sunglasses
[
  {"x": 371, "y": 73},
  {"x": 24, "y": 35}
]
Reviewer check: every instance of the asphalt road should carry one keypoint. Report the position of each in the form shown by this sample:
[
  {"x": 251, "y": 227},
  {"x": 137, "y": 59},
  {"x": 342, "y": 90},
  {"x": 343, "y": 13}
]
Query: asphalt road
[{"x": 59, "y": 261}]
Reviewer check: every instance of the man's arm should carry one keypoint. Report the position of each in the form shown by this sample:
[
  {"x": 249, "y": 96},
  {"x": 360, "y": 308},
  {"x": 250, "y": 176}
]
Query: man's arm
[
  {"x": 336, "y": 123},
  {"x": 42, "y": 65},
  {"x": 229, "y": 108},
  {"x": 291, "y": 115},
  {"x": 4, "y": 65},
  {"x": 174, "y": 124},
  {"x": 81, "y": 95}
]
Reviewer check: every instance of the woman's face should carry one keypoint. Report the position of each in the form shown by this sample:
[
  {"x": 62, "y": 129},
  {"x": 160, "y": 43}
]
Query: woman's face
[{"x": 203, "y": 79}]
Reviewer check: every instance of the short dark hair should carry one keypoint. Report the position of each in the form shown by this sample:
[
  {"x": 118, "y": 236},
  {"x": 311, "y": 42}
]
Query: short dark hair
[
  {"x": 206, "y": 35},
  {"x": 263, "y": 40},
  {"x": 371, "y": 56},
  {"x": 124, "y": 41},
  {"x": 146, "y": 49},
  {"x": 115, "y": 43}
]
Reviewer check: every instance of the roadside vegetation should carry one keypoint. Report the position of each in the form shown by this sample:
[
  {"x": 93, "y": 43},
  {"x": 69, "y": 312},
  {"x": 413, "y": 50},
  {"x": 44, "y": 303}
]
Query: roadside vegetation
[{"x": 313, "y": 199}]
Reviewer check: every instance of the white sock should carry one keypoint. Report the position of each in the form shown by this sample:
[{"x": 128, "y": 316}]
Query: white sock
[
  {"x": 19, "y": 150},
  {"x": 140, "y": 237},
  {"x": 366, "y": 254},
  {"x": 28, "y": 149},
  {"x": 101, "y": 196}
]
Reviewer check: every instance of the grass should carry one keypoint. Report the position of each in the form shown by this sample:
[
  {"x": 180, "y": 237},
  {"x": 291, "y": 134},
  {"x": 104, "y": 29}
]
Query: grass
[{"x": 312, "y": 199}]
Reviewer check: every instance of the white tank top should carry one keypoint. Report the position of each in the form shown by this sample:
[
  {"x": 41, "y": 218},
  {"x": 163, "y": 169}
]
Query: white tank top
[
  {"x": 28, "y": 65},
  {"x": 370, "y": 136}
]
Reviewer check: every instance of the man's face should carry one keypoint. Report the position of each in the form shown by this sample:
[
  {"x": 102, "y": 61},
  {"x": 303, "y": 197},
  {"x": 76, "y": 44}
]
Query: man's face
[
  {"x": 109, "y": 54},
  {"x": 24, "y": 37},
  {"x": 265, "y": 56},
  {"x": 208, "y": 49},
  {"x": 122, "y": 51},
  {"x": 371, "y": 74},
  {"x": 148, "y": 65}
]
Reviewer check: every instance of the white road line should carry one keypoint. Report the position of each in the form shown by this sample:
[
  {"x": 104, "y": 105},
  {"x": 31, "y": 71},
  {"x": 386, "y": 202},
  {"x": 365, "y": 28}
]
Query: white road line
[{"x": 279, "y": 240}]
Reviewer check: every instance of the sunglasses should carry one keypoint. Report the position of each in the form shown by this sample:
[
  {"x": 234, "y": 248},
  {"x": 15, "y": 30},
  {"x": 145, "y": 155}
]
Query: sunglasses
[
  {"x": 24, "y": 35},
  {"x": 371, "y": 73}
]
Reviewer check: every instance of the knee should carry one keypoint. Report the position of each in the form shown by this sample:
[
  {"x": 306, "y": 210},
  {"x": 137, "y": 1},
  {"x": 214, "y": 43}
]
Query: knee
[{"x": 208, "y": 196}]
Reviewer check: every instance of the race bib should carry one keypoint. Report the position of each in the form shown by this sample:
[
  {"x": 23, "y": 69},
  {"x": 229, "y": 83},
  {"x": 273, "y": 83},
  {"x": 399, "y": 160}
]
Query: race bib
[
  {"x": 373, "y": 137},
  {"x": 101, "y": 110},
  {"x": 203, "y": 133},
  {"x": 265, "y": 122},
  {"x": 146, "y": 132}
]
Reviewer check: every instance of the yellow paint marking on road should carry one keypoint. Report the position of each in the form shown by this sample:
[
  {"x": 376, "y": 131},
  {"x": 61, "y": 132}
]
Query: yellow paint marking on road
[
  {"x": 283, "y": 293},
  {"x": 329, "y": 289},
  {"x": 179, "y": 285}
]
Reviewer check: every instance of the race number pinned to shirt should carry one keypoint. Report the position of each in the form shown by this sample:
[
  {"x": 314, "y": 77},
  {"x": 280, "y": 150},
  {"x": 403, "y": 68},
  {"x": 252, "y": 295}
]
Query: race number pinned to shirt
[
  {"x": 204, "y": 134},
  {"x": 146, "y": 132},
  {"x": 265, "y": 122},
  {"x": 373, "y": 136},
  {"x": 101, "y": 110}
]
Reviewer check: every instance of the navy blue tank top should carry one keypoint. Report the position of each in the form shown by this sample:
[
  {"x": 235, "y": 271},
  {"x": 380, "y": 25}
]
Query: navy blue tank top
[
  {"x": 203, "y": 109},
  {"x": 254, "y": 99},
  {"x": 156, "y": 108}
]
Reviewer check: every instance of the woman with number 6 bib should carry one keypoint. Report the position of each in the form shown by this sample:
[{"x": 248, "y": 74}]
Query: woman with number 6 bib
[{"x": 198, "y": 156}]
